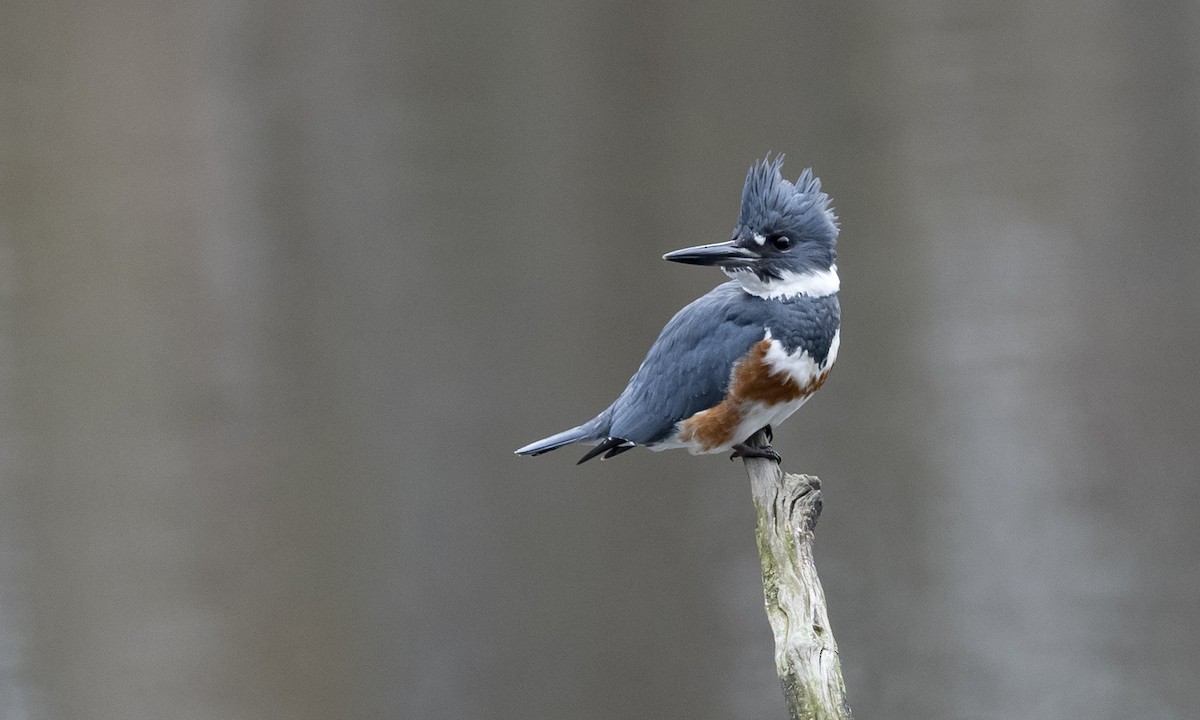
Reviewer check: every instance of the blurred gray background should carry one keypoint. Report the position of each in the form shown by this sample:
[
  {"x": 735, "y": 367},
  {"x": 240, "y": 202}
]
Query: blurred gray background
[{"x": 282, "y": 286}]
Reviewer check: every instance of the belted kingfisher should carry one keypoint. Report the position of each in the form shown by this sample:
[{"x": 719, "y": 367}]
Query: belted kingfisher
[{"x": 749, "y": 353}]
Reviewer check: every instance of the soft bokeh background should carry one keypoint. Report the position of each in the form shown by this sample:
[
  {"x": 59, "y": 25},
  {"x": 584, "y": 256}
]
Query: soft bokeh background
[{"x": 282, "y": 285}]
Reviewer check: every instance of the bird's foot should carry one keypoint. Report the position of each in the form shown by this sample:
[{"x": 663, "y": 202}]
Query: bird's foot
[
  {"x": 742, "y": 450},
  {"x": 769, "y": 433}
]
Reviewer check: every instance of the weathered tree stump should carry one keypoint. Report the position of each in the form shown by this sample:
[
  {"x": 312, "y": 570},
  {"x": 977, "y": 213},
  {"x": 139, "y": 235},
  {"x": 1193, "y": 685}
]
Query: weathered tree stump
[{"x": 806, "y": 655}]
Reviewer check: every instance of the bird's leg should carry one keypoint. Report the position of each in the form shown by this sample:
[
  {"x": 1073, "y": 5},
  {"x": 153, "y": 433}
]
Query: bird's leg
[
  {"x": 742, "y": 450},
  {"x": 745, "y": 450}
]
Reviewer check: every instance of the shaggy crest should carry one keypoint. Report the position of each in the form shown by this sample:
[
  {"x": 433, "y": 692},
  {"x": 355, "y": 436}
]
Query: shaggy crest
[{"x": 772, "y": 204}]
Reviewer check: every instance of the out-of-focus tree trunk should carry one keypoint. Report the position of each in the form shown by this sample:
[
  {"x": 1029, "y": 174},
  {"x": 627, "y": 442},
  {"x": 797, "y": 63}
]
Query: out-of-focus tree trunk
[{"x": 183, "y": 456}]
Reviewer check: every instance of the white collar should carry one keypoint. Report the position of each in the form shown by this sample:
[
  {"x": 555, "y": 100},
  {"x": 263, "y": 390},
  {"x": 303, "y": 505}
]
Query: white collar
[{"x": 814, "y": 283}]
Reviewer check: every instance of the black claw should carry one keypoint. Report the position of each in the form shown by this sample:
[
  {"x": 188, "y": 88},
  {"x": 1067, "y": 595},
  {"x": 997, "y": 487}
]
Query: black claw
[
  {"x": 770, "y": 434},
  {"x": 742, "y": 450}
]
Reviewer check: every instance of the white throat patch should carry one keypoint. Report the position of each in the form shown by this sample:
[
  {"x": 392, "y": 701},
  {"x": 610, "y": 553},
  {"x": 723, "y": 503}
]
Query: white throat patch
[{"x": 818, "y": 283}]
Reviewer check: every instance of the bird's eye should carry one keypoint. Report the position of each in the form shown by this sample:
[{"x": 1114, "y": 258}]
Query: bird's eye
[{"x": 781, "y": 242}]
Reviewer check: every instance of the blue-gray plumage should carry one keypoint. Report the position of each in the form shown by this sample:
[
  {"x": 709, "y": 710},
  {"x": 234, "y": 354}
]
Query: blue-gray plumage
[
  {"x": 748, "y": 353},
  {"x": 688, "y": 368}
]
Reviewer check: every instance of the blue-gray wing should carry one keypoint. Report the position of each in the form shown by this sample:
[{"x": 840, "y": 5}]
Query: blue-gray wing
[{"x": 689, "y": 366}]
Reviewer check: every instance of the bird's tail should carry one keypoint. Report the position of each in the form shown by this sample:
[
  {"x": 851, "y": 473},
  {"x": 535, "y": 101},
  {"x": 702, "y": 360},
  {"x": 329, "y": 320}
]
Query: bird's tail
[{"x": 566, "y": 437}]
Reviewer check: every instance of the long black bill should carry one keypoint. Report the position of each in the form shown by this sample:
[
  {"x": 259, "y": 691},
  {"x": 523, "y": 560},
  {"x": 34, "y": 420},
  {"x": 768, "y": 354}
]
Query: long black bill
[{"x": 726, "y": 254}]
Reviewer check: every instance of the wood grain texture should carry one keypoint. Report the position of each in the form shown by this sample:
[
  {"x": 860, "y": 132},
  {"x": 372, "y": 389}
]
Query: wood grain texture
[{"x": 806, "y": 656}]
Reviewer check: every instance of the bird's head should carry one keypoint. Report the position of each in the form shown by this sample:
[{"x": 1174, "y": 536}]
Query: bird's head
[{"x": 784, "y": 241}]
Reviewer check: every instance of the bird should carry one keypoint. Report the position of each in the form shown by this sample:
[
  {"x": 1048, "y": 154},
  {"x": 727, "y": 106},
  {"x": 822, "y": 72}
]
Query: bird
[{"x": 750, "y": 352}]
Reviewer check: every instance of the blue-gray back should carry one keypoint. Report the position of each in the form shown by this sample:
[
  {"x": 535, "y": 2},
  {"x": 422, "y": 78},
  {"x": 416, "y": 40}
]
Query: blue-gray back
[{"x": 688, "y": 367}]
